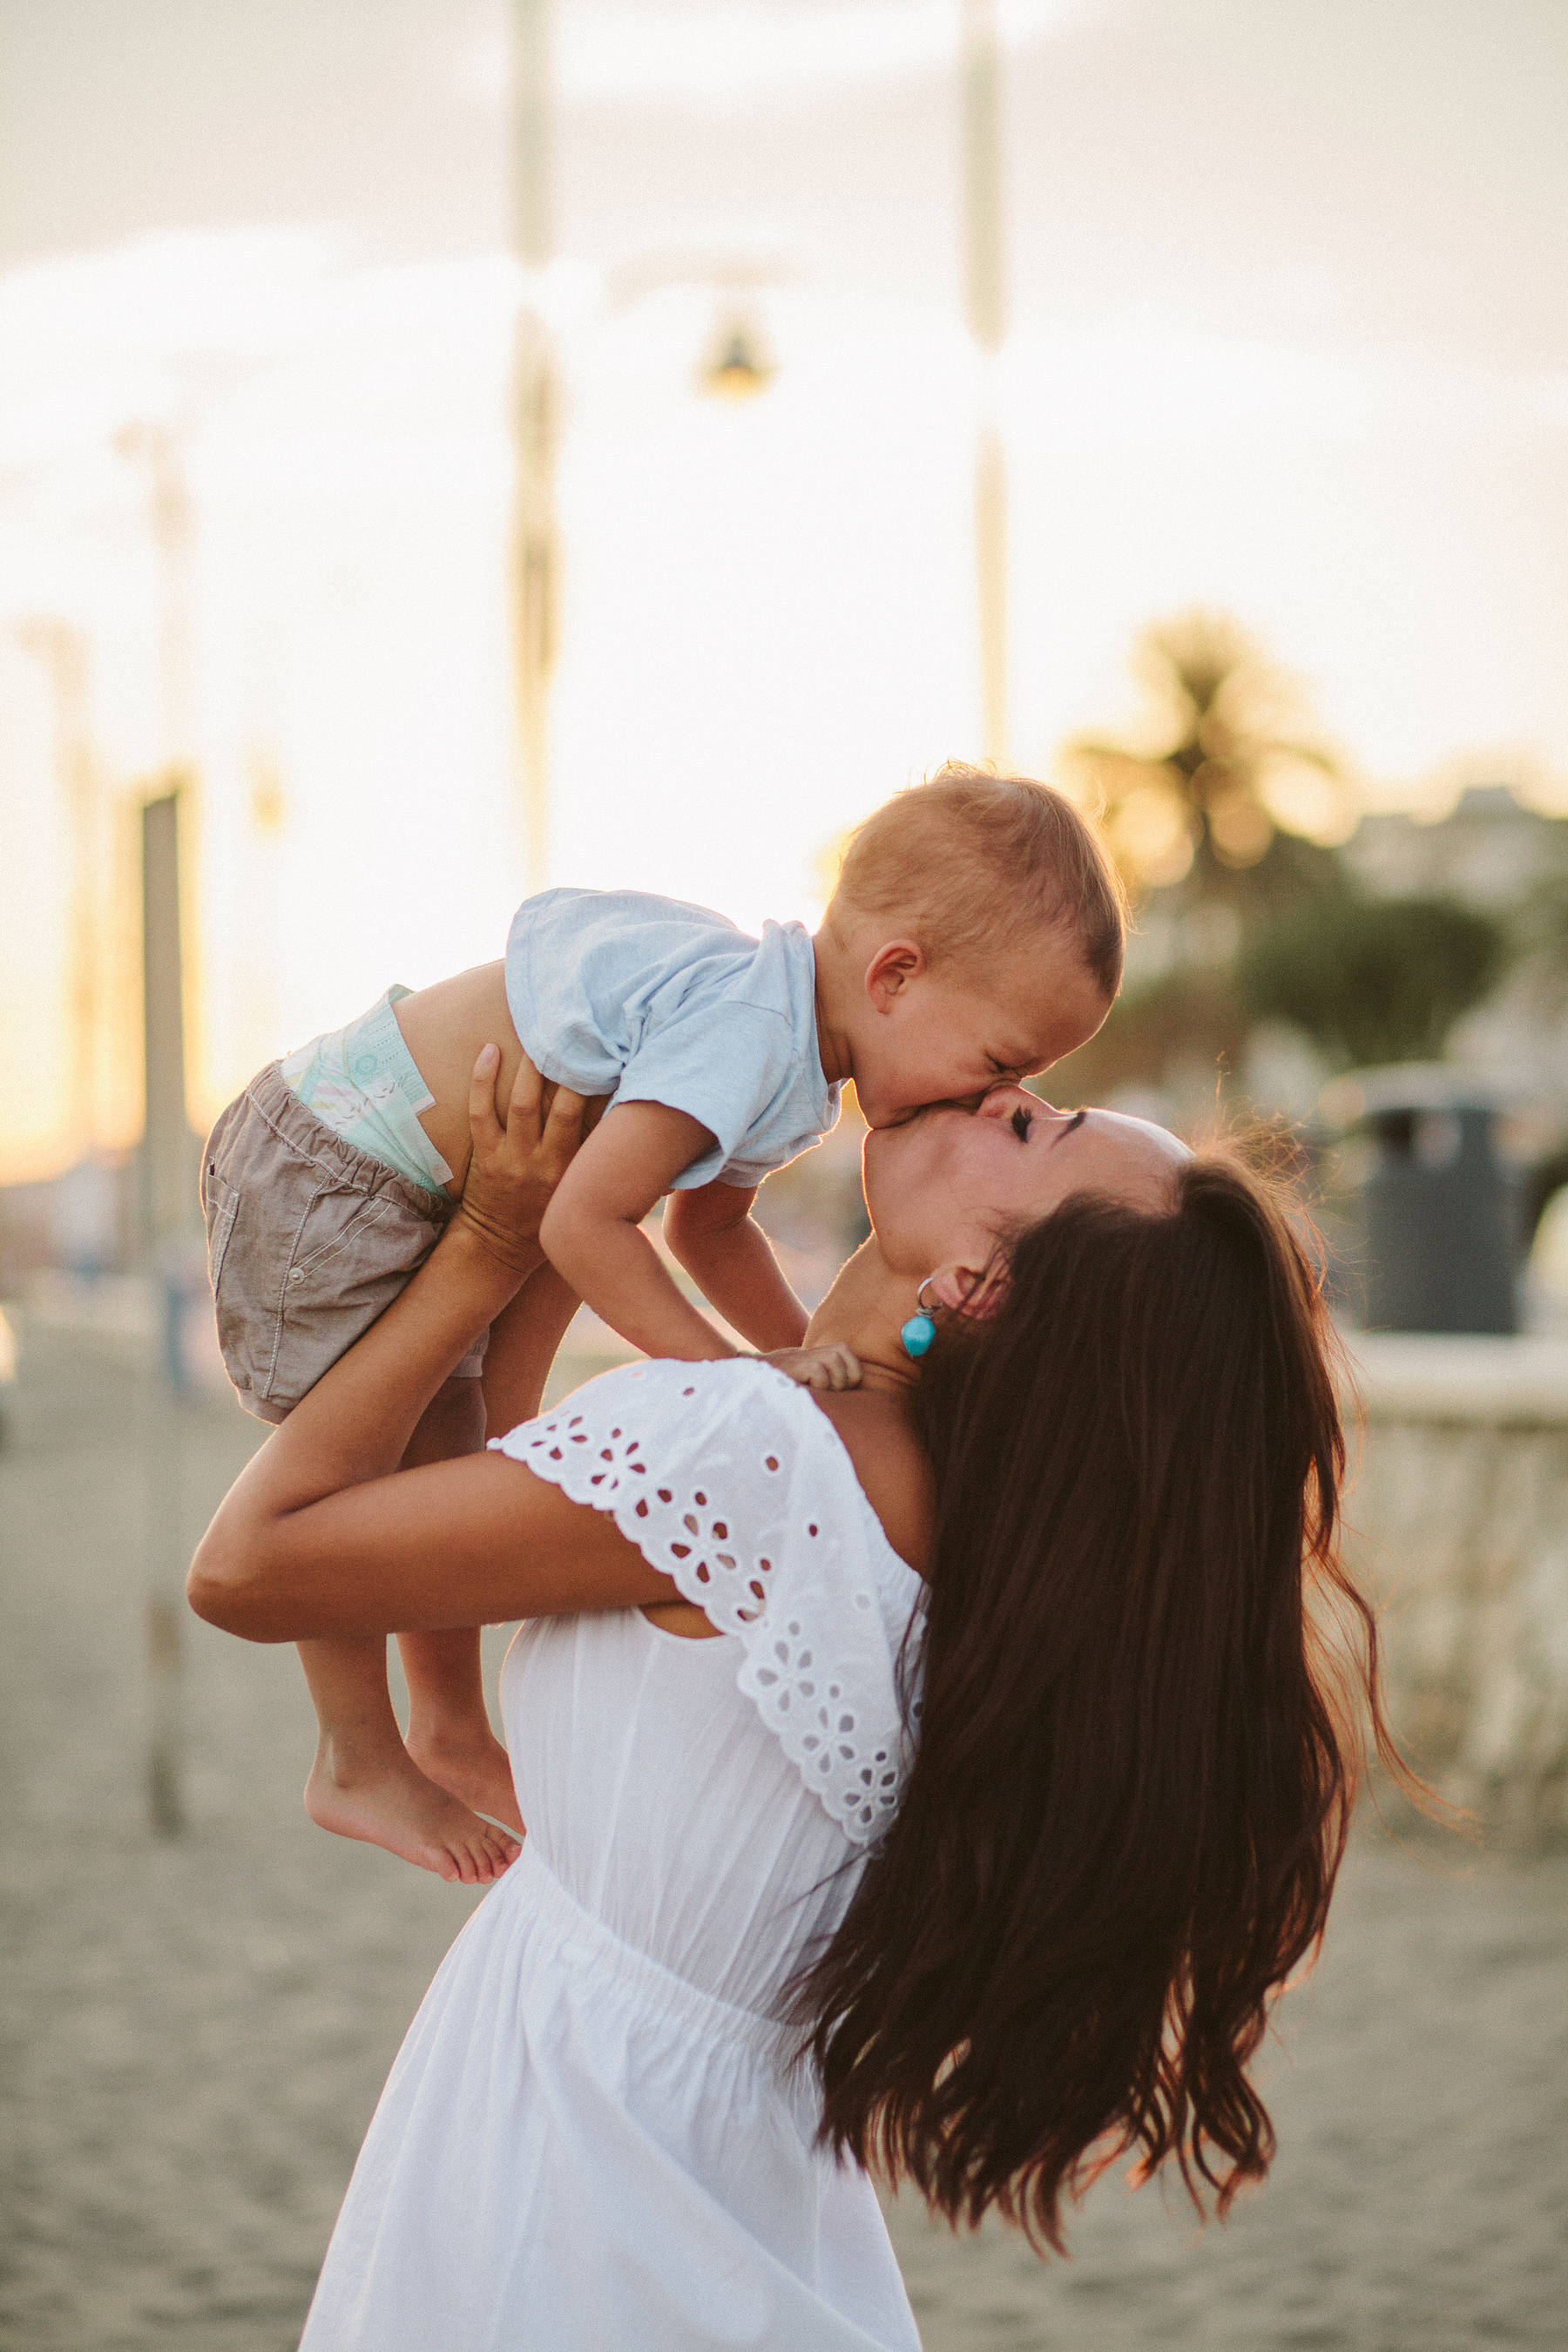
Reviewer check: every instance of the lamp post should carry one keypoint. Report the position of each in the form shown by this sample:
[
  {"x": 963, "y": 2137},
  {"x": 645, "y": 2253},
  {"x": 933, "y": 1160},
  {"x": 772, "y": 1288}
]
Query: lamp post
[
  {"x": 535, "y": 556},
  {"x": 169, "y": 1234},
  {"x": 985, "y": 311},
  {"x": 168, "y": 1201},
  {"x": 736, "y": 369},
  {"x": 168, "y": 1198}
]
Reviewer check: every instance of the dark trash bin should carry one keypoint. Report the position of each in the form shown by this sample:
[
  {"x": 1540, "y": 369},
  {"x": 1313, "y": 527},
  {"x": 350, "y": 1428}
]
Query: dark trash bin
[{"x": 1438, "y": 1209}]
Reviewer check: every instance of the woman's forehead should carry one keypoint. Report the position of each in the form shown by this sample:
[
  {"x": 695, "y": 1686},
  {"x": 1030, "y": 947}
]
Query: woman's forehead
[
  {"x": 1134, "y": 1133},
  {"x": 1109, "y": 1152}
]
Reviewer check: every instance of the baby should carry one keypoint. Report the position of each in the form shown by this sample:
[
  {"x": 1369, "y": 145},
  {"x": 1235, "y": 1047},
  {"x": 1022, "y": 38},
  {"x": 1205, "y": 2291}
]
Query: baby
[{"x": 975, "y": 935}]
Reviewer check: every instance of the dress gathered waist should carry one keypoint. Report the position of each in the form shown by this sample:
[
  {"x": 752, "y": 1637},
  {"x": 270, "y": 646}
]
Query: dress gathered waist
[{"x": 607, "y": 1960}]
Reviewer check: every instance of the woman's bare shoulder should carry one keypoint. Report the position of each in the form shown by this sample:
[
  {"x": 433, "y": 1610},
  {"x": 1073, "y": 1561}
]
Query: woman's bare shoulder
[{"x": 891, "y": 1464}]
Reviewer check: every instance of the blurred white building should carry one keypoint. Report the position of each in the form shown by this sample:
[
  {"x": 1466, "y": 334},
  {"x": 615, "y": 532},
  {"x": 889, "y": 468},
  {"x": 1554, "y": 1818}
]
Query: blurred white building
[{"x": 1490, "y": 850}]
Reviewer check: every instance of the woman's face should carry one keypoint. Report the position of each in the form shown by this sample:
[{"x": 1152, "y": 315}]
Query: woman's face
[{"x": 942, "y": 1186}]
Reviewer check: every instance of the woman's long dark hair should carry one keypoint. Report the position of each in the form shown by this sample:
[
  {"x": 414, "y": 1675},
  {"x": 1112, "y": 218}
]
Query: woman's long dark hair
[{"x": 1144, "y": 1671}]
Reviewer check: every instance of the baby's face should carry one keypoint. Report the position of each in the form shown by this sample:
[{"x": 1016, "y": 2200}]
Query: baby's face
[{"x": 950, "y": 1034}]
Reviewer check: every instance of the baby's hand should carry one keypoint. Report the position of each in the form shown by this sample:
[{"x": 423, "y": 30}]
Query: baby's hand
[{"x": 833, "y": 1367}]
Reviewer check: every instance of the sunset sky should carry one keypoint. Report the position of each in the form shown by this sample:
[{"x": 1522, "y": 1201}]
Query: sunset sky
[{"x": 1290, "y": 303}]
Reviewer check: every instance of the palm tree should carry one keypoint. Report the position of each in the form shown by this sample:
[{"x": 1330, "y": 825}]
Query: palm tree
[
  {"x": 1216, "y": 810},
  {"x": 1373, "y": 979},
  {"x": 1210, "y": 820}
]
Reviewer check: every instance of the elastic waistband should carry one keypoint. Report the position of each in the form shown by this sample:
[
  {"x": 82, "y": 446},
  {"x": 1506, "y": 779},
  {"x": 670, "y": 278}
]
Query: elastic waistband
[
  {"x": 532, "y": 1883},
  {"x": 300, "y": 1129}
]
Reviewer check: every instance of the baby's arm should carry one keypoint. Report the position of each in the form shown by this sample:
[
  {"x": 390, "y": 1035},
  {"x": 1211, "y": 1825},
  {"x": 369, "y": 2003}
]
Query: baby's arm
[
  {"x": 591, "y": 1235},
  {"x": 711, "y": 1232},
  {"x": 590, "y": 1232}
]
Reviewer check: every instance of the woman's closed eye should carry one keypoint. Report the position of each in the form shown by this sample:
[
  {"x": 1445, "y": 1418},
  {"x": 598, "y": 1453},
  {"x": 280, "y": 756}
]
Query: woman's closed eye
[{"x": 1021, "y": 1123}]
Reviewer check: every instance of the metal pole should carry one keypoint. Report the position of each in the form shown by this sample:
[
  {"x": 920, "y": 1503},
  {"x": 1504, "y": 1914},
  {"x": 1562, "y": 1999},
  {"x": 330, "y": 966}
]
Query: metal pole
[
  {"x": 162, "y": 448},
  {"x": 166, "y": 1221},
  {"x": 168, "y": 1202},
  {"x": 534, "y": 551},
  {"x": 166, "y": 1145},
  {"x": 986, "y": 310}
]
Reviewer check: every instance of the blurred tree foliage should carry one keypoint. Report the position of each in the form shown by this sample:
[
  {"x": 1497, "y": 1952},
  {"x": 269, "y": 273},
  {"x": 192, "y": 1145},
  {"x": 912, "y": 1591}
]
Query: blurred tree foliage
[
  {"x": 1219, "y": 804},
  {"x": 1223, "y": 823},
  {"x": 1208, "y": 819},
  {"x": 1372, "y": 980},
  {"x": 1190, "y": 1016},
  {"x": 1539, "y": 939}
]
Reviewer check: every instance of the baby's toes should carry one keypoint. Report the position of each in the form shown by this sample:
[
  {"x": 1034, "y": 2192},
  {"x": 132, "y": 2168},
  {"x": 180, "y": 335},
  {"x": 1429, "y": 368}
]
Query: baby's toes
[
  {"x": 480, "y": 1862},
  {"x": 505, "y": 1846}
]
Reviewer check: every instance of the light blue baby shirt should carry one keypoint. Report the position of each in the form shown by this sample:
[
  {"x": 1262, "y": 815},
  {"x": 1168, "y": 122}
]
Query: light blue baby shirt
[{"x": 616, "y": 992}]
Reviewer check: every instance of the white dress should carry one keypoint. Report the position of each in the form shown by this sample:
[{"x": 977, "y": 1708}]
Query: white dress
[{"x": 589, "y": 2139}]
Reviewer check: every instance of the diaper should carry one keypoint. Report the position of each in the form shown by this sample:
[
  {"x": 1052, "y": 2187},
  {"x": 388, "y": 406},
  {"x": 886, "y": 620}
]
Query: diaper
[{"x": 363, "y": 1083}]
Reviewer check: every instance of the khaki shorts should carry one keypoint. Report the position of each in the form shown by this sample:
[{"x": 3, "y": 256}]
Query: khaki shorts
[{"x": 309, "y": 1240}]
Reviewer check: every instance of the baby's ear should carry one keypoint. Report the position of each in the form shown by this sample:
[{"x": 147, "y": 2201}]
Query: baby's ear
[{"x": 891, "y": 969}]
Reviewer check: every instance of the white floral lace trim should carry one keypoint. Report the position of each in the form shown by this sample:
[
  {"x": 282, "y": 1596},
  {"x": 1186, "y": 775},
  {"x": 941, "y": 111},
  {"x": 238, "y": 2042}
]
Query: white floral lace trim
[{"x": 733, "y": 1483}]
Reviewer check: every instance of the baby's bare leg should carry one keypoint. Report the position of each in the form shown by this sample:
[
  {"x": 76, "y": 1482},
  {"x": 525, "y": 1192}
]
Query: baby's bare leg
[
  {"x": 449, "y": 1735},
  {"x": 365, "y": 1784},
  {"x": 523, "y": 1343}
]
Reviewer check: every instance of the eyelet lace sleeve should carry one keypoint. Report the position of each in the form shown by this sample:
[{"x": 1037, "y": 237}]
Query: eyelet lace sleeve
[{"x": 730, "y": 1480}]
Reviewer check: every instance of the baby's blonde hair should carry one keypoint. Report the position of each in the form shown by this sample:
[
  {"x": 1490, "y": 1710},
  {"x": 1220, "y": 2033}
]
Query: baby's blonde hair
[{"x": 972, "y": 862}]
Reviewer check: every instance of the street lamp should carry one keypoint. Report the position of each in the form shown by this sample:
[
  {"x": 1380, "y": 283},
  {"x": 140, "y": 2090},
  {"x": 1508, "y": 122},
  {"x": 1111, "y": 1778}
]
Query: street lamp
[
  {"x": 986, "y": 310},
  {"x": 739, "y": 366},
  {"x": 535, "y": 552},
  {"x": 171, "y": 1235}
]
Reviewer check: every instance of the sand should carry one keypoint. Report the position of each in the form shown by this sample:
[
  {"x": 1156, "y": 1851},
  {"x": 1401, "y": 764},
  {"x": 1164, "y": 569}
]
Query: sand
[{"x": 193, "y": 2031}]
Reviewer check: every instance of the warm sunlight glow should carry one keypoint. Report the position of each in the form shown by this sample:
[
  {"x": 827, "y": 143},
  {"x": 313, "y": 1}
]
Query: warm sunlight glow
[{"x": 768, "y": 605}]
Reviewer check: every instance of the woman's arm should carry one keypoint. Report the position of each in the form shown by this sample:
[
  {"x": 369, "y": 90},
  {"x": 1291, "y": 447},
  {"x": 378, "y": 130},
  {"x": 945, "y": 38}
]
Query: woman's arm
[
  {"x": 471, "y": 1542},
  {"x": 316, "y": 1537}
]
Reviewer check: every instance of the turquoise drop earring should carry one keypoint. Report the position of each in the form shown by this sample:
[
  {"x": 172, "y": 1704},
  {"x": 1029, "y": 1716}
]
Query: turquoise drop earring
[{"x": 920, "y": 1330}]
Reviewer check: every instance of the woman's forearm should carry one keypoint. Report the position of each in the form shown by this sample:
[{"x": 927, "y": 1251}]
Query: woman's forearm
[
  {"x": 353, "y": 1428},
  {"x": 356, "y": 1421}
]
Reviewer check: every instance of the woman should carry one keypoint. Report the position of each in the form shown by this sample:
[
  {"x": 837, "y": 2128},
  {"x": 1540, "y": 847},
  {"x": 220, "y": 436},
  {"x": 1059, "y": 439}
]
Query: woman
[{"x": 972, "y": 1723}]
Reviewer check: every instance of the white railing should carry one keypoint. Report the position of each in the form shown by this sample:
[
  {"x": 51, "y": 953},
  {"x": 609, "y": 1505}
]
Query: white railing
[{"x": 1457, "y": 1519}]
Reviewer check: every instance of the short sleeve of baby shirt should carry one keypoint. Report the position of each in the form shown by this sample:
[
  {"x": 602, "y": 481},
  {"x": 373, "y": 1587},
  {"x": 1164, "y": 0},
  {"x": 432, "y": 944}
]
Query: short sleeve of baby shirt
[
  {"x": 651, "y": 1000},
  {"x": 726, "y": 1065}
]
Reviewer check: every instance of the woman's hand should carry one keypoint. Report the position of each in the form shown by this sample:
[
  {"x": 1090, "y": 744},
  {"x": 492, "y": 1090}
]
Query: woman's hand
[
  {"x": 346, "y": 1438},
  {"x": 515, "y": 1168}
]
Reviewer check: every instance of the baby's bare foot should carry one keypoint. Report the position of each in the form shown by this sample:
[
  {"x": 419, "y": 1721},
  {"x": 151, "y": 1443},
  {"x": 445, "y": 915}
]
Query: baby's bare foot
[
  {"x": 468, "y": 1761},
  {"x": 388, "y": 1801}
]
